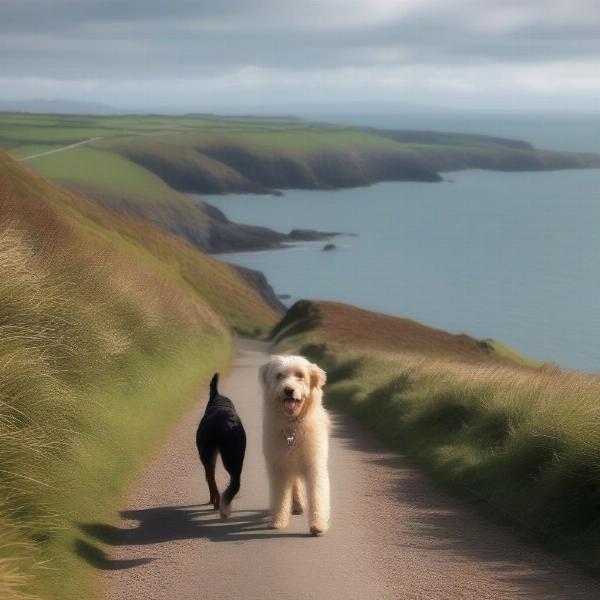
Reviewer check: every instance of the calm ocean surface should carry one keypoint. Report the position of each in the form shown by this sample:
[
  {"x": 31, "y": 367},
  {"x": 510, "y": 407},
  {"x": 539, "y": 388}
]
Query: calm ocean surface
[{"x": 511, "y": 256}]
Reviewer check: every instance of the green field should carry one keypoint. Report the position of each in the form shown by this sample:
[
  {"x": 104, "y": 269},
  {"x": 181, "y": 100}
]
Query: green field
[
  {"x": 188, "y": 136},
  {"x": 103, "y": 169}
]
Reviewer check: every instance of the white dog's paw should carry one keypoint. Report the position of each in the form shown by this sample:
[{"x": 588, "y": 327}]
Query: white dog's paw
[
  {"x": 224, "y": 510},
  {"x": 297, "y": 509},
  {"x": 278, "y": 524},
  {"x": 318, "y": 527}
]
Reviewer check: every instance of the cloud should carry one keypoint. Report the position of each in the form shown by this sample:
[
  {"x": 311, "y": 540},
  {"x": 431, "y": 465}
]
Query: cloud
[{"x": 261, "y": 46}]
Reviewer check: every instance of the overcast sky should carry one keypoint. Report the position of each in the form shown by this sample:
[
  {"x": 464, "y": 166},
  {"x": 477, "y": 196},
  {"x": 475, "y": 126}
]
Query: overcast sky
[{"x": 280, "y": 54}]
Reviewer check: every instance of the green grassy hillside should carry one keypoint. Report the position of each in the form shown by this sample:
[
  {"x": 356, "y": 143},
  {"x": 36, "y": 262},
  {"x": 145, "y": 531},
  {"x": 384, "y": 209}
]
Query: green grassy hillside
[
  {"x": 144, "y": 165},
  {"x": 521, "y": 442},
  {"x": 107, "y": 328}
]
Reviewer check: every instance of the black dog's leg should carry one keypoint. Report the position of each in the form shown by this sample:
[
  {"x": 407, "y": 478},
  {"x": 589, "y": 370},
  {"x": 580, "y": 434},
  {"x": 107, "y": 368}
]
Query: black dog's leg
[
  {"x": 209, "y": 460},
  {"x": 232, "y": 456}
]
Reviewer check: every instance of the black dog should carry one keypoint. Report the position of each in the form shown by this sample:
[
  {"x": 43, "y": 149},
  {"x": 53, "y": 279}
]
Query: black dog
[{"x": 221, "y": 431}]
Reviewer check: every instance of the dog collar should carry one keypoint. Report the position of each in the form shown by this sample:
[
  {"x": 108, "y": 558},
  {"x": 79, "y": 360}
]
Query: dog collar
[{"x": 290, "y": 437}]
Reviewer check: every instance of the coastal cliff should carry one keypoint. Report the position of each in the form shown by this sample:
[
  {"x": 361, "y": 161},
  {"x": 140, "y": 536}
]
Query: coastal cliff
[
  {"x": 148, "y": 165},
  {"x": 334, "y": 159}
]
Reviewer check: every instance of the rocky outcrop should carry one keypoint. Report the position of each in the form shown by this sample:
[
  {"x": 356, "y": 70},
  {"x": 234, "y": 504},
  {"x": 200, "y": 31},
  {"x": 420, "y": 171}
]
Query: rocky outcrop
[
  {"x": 200, "y": 223},
  {"x": 259, "y": 282},
  {"x": 310, "y": 235}
]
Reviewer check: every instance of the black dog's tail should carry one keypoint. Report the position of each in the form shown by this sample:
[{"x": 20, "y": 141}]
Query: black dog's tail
[{"x": 214, "y": 382}]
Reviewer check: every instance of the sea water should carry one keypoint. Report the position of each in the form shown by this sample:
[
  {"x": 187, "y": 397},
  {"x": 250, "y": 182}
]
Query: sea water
[{"x": 509, "y": 256}]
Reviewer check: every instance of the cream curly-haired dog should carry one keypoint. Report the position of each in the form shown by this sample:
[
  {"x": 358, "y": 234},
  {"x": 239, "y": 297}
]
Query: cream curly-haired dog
[{"x": 295, "y": 440}]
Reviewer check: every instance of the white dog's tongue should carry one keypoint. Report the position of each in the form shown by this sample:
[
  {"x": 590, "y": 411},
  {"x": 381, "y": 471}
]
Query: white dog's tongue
[{"x": 290, "y": 404}]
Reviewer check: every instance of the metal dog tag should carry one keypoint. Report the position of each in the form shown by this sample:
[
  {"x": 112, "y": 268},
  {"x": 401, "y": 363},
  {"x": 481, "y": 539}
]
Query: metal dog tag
[{"x": 290, "y": 439}]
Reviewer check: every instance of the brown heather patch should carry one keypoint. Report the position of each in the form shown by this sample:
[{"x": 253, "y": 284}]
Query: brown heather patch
[
  {"x": 12, "y": 581},
  {"x": 375, "y": 331}
]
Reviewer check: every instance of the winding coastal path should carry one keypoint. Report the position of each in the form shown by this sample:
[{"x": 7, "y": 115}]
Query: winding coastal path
[
  {"x": 393, "y": 533},
  {"x": 94, "y": 139},
  {"x": 61, "y": 149}
]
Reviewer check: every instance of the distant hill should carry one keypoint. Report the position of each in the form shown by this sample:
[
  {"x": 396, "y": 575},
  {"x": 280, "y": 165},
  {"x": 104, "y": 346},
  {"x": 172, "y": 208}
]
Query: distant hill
[{"x": 73, "y": 107}]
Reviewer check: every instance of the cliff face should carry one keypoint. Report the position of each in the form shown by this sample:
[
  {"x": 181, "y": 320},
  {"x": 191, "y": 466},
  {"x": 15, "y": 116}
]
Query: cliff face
[
  {"x": 537, "y": 160},
  {"x": 199, "y": 223},
  {"x": 456, "y": 152},
  {"x": 258, "y": 281},
  {"x": 231, "y": 166},
  {"x": 409, "y": 136},
  {"x": 188, "y": 170},
  {"x": 322, "y": 169}
]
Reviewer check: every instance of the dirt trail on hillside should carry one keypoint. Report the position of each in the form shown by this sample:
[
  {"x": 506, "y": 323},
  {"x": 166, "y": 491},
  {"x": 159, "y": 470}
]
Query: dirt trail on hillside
[
  {"x": 393, "y": 533},
  {"x": 61, "y": 149}
]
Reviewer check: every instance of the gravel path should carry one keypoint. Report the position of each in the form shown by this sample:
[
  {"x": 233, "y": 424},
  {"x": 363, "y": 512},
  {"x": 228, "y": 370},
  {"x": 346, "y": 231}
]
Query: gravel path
[{"x": 393, "y": 533}]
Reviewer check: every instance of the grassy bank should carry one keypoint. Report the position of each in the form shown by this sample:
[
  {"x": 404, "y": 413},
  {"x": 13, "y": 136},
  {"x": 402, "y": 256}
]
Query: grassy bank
[
  {"x": 521, "y": 442},
  {"x": 128, "y": 411},
  {"x": 107, "y": 328},
  {"x": 88, "y": 383}
]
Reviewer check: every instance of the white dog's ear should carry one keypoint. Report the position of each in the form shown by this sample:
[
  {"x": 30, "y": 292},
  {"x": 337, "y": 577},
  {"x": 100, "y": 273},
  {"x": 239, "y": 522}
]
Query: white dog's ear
[
  {"x": 262, "y": 374},
  {"x": 318, "y": 377}
]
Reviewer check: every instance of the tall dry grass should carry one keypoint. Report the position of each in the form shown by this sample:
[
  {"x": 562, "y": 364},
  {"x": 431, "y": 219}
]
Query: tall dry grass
[
  {"x": 12, "y": 582},
  {"x": 91, "y": 328},
  {"x": 63, "y": 319}
]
